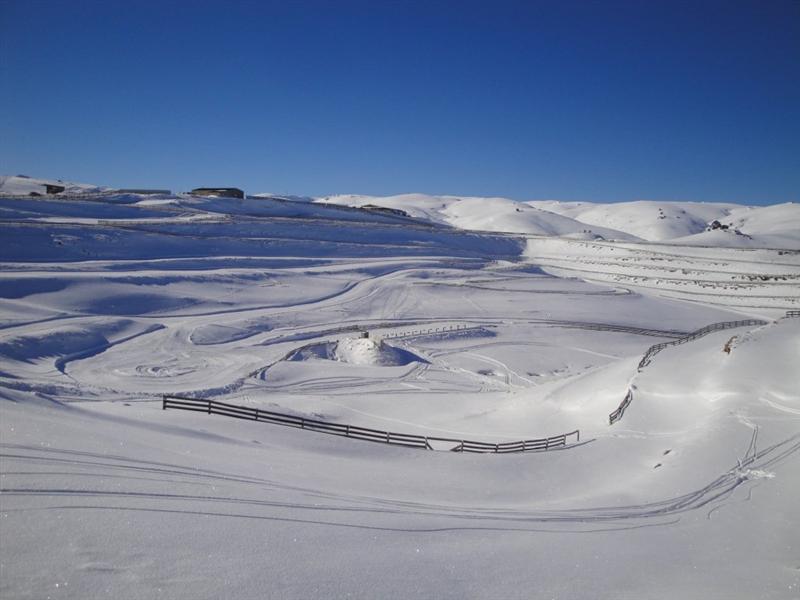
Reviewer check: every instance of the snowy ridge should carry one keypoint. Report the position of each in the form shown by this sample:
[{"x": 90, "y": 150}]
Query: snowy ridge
[
  {"x": 687, "y": 223},
  {"x": 487, "y": 214},
  {"x": 649, "y": 220}
]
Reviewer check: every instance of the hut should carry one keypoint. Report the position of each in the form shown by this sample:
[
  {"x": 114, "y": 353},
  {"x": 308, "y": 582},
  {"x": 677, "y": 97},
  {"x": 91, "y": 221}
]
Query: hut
[
  {"x": 50, "y": 188},
  {"x": 384, "y": 209},
  {"x": 225, "y": 192}
]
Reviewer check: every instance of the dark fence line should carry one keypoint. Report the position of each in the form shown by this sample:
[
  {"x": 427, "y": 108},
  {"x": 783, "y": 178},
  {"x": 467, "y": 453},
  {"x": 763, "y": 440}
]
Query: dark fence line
[
  {"x": 617, "y": 414},
  {"x": 656, "y": 348},
  {"x": 214, "y": 407},
  {"x": 569, "y": 324},
  {"x": 617, "y": 328},
  {"x": 428, "y": 331},
  {"x": 793, "y": 313}
]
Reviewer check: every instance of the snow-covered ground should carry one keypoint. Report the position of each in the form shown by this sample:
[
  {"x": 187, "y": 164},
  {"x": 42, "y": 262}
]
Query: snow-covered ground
[{"x": 484, "y": 322}]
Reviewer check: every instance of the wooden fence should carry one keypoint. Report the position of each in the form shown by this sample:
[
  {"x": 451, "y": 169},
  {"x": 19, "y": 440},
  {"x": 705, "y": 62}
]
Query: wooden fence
[
  {"x": 656, "y": 348},
  {"x": 429, "y": 331},
  {"x": 617, "y": 414},
  {"x": 214, "y": 407}
]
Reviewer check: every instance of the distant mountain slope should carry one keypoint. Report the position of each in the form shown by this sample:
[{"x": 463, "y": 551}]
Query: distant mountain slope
[
  {"x": 487, "y": 214},
  {"x": 776, "y": 226},
  {"x": 685, "y": 223},
  {"x": 650, "y": 220},
  {"x": 688, "y": 222},
  {"x": 778, "y": 219}
]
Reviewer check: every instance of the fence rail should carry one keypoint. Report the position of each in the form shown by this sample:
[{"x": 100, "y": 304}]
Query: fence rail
[
  {"x": 617, "y": 414},
  {"x": 793, "y": 313},
  {"x": 430, "y": 331},
  {"x": 656, "y": 348},
  {"x": 214, "y": 407}
]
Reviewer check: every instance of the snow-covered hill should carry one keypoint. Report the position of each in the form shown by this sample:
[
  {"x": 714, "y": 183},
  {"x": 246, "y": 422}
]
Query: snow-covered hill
[
  {"x": 686, "y": 223},
  {"x": 648, "y": 220},
  {"x": 486, "y": 214}
]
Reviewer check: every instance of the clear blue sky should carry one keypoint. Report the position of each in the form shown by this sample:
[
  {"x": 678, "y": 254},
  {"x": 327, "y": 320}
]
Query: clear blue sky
[{"x": 565, "y": 100}]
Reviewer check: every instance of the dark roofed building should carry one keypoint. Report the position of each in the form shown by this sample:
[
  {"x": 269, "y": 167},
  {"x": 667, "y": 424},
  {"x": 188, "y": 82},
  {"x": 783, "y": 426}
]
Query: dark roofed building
[
  {"x": 384, "y": 209},
  {"x": 224, "y": 192},
  {"x": 49, "y": 188}
]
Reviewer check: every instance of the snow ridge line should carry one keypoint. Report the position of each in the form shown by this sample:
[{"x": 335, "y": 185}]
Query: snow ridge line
[
  {"x": 363, "y": 433},
  {"x": 656, "y": 348}
]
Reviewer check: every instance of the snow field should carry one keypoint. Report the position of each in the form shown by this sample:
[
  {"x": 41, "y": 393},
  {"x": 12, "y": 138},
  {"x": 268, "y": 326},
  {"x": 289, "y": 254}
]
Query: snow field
[{"x": 692, "y": 494}]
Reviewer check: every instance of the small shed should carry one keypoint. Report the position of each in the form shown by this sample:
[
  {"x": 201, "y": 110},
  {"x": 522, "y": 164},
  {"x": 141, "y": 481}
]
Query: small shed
[
  {"x": 225, "y": 192},
  {"x": 50, "y": 188},
  {"x": 384, "y": 209}
]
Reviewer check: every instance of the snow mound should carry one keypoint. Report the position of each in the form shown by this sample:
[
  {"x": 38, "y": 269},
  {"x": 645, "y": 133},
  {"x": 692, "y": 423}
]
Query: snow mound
[{"x": 356, "y": 351}]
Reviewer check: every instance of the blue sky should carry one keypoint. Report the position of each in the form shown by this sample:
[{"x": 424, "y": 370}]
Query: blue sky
[{"x": 602, "y": 101}]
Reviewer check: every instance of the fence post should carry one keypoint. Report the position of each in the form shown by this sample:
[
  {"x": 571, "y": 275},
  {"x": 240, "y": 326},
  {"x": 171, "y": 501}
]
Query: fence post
[
  {"x": 256, "y": 414},
  {"x": 164, "y": 403},
  {"x": 209, "y": 407}
]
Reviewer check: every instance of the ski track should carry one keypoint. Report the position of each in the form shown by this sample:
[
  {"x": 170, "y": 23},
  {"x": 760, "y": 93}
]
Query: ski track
[{"x": 713, "y": 495}]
